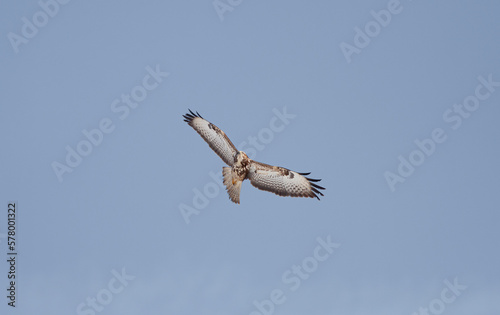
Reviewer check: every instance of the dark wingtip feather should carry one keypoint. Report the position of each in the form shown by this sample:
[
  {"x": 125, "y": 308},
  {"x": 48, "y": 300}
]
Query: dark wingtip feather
[
  {"x": 314, "y": 187},
  {"x": 190, "y": 116},
  {"x": 317, "y": 186},
  {"x": 317, "y": 191},
  {"x": 313, "y": 194},
  {"x": 312, "y": 179}
]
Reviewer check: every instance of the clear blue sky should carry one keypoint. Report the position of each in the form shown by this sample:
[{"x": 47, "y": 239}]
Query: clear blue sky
[{"x": 397, "y": 111}]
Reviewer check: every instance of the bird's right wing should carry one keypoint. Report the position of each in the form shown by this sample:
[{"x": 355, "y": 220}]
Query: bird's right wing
[{"x": 216, "y": 138}]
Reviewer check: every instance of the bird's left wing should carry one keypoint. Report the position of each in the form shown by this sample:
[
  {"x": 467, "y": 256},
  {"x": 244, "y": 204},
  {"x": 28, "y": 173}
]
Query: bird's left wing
[
  {"x": 282, "y": 181},
  {"x": 216, "y": 138}
]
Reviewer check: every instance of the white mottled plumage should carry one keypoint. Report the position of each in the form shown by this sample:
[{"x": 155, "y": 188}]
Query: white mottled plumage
[
  {"x": 275, "y": 179},
  {"x": 281, "y": 181},
  {"x": 215, "y": 138}
]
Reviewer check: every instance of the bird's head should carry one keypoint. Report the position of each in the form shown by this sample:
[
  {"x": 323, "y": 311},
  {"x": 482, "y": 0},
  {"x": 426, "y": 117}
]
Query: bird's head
[{"x": 241, "y": 156}]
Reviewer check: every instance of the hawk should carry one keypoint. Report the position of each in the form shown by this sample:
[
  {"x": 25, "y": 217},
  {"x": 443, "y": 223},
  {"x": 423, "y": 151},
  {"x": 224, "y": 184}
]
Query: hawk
[{"x": 278, "y": 180}]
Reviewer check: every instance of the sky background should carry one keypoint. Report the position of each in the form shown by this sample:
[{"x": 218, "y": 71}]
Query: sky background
[{"x": 120, "y": 208}]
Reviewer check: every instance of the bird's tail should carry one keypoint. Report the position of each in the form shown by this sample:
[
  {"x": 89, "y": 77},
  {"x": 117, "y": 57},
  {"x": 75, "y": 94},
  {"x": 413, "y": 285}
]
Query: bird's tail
[{"x": 233, "y": 185}]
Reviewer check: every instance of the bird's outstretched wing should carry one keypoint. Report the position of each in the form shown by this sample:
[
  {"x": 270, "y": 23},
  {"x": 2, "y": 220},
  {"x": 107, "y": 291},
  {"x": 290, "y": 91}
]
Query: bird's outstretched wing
[
  {"x": 215, "y": 137},
  {"x": 282, "y": 181}
]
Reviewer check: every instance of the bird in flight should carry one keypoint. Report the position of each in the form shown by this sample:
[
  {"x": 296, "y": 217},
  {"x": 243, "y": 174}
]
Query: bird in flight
[{"x": 278, "y": 180}]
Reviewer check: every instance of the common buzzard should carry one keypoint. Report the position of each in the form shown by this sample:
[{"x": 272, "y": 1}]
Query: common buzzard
[{"x": 278, "y": 180}]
